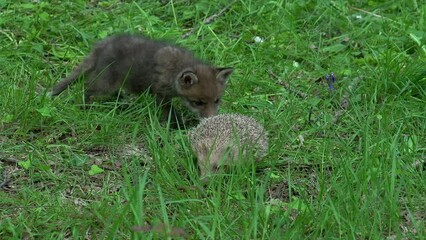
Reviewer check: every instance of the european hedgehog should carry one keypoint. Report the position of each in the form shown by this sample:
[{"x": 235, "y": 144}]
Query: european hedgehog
[{"x": 219, "y": 140}]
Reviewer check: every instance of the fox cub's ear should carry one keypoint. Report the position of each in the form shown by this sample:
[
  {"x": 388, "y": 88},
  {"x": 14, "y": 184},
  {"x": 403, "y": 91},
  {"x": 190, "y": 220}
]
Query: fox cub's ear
[
  {"x": 222, "y": 74},
  {"x": 187, "y": 78}
]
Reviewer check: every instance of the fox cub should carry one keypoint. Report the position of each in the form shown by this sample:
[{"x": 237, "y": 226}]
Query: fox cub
[{"x": 135, "y": 64}]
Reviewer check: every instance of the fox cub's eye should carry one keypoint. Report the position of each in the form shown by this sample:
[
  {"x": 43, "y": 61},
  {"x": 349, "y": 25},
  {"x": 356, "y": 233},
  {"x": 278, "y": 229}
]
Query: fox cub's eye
[
  {"x": 198, "y": 103},
  {"x": 217, "y": 101}
]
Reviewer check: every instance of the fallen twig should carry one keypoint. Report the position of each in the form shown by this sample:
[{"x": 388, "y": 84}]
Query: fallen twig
[
  {"x": 372, "y": 14},
  {"x": 210, "y": 19},
  {"x": 8, "y": 159},
  {"x": 287, "y": 85},
  {"x": 6, "y": 179}
]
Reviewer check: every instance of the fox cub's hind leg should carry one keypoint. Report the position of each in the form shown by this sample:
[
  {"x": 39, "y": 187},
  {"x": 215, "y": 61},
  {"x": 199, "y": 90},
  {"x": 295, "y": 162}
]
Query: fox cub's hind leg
[{"x": 101, "y": 84}]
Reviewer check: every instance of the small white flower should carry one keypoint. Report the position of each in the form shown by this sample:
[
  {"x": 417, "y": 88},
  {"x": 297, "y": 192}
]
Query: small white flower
[
  {"x": 296, "y": 64},
  {"x": 301, "y": 139},
  {"x": 258, "y": 39},
  {"x": 358, "y": 16}
]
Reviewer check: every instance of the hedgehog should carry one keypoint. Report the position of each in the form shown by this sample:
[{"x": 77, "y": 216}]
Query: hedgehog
[{"x": 219, "y": 140}]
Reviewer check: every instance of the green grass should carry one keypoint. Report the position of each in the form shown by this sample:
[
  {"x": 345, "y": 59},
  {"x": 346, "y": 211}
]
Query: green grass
[{"x": 360, "y": 175}]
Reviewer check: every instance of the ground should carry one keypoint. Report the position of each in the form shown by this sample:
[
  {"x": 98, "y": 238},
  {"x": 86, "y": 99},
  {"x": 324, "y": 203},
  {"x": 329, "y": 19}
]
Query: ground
[{"x": 338, "y": 85}]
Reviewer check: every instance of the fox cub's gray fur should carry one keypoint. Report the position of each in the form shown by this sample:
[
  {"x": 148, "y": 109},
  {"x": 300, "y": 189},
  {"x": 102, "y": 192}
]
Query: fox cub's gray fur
[{"x": 135, "y": 64}]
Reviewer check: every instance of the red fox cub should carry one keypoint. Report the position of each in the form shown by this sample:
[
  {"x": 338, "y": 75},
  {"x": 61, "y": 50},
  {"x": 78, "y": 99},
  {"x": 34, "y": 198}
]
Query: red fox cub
[{"x": 135, "y": 64}]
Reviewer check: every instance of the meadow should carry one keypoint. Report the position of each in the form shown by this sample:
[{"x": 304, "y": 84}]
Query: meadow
[{"x": 340, "y": 86}]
